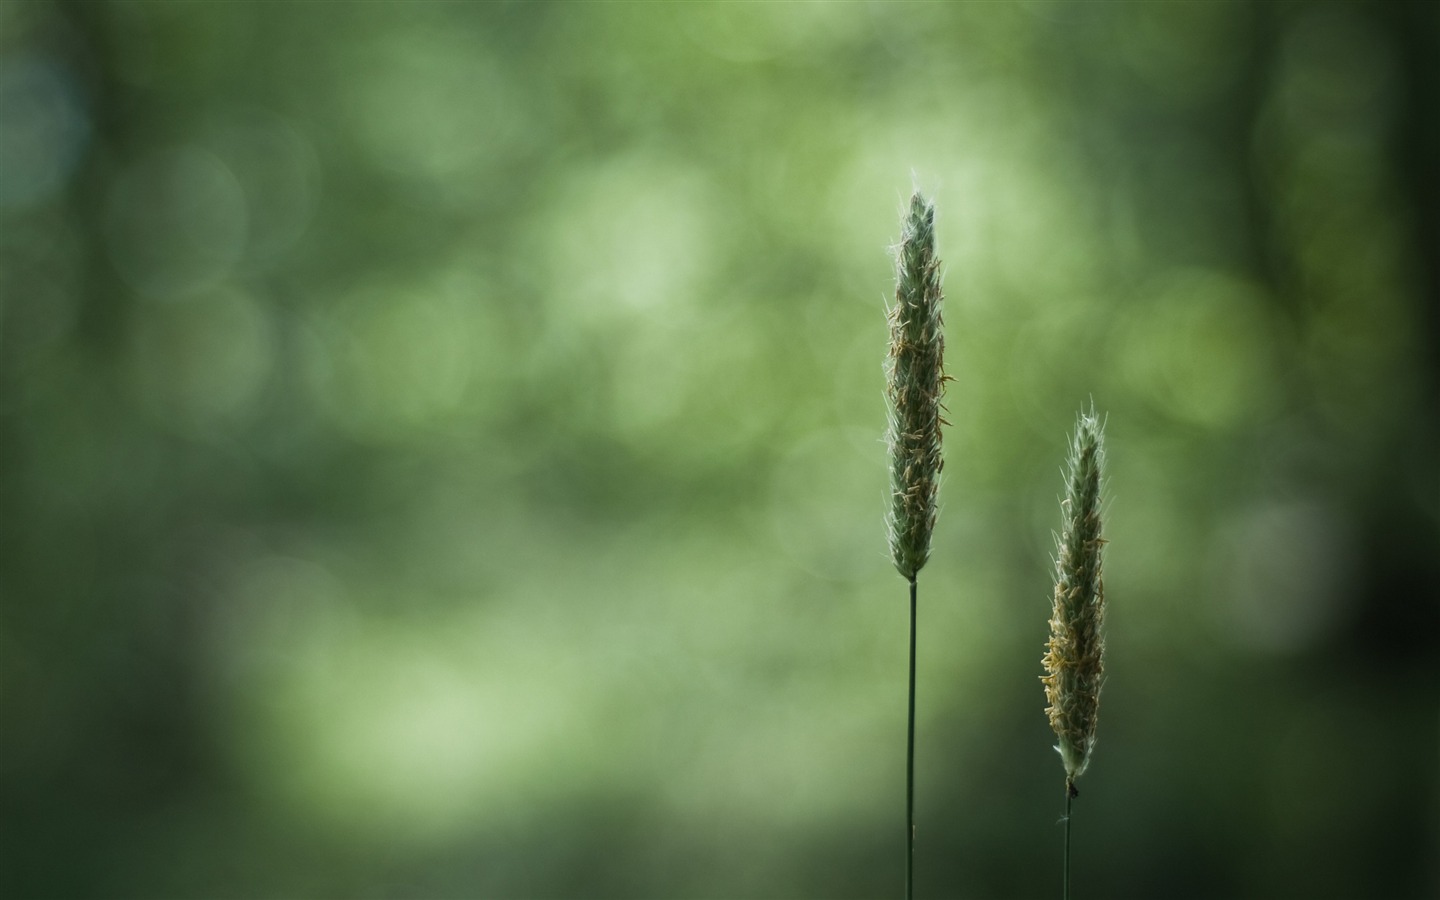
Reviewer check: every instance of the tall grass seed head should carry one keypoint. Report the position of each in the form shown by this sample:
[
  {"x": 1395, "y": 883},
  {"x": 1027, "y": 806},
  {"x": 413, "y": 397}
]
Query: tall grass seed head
[
  {"x": 1075, "y": 655},
  {"x": 915, "y": 384}
]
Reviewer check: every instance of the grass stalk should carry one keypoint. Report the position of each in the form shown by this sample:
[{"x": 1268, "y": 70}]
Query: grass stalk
[
  {"x": 910, "y": 764},
  {"x": 915, "y": 383},
  {"x": 1075, "y": 655},
  {"x": 1070, "y": 793}
]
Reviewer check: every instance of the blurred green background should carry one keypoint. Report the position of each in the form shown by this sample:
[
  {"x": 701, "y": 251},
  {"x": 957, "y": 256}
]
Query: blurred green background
[{"x": 440, "y": 447}]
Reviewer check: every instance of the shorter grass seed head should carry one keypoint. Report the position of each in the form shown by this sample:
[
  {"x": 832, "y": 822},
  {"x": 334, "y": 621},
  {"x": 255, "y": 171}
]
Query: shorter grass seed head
[
  {"x": 915, "y": 383},
  {"x": 1075, "y": 655}
]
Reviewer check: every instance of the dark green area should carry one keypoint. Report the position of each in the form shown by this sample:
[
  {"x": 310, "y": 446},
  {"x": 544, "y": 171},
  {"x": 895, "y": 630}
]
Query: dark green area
[{"x": 441, "y": 447}]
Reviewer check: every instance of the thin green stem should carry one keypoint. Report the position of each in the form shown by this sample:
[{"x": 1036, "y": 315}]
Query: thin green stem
[
  {"x": 1070, "y": 793},
  {"x": 910, "y": 764}
]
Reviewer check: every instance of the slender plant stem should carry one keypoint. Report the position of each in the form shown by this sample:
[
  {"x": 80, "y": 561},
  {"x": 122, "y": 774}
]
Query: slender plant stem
[
  {"x": 1069, "y": 796},
  {"x": 910, "y": 764}
]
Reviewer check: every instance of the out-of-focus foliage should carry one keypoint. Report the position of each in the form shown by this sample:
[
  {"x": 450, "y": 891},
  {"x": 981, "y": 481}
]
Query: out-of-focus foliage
[{"x": 440, "y": 447}]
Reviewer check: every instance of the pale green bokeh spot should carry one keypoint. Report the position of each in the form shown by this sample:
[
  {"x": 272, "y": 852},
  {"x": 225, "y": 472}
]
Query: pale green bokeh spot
[{"x": 1198, "y": 344}]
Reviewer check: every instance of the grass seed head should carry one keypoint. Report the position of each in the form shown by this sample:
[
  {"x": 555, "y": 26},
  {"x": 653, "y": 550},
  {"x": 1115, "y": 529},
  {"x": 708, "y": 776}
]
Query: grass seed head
[
  {"x": 915, "y": 384},
  {"x": 1075, "y": 655}
]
